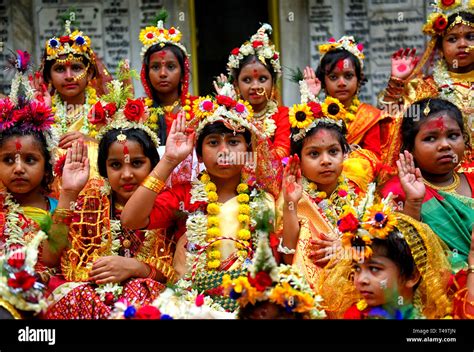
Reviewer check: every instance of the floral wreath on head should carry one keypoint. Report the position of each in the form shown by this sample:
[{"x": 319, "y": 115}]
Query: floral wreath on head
[
  {"x": 437, "y": 22},
  {"x": 158, "y": 35},
  {"x": 266, "y": 281},
  {"x": 21, "y": 110},
  {"x": 346, "y": 42},
  {"x": 260, "y": 46}
]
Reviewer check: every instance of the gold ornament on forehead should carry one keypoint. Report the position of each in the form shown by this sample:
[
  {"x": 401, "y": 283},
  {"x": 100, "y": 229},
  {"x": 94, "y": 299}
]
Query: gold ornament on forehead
[
  {"x": 121, "y": 138},
  {"x": 427, "y": 109}
]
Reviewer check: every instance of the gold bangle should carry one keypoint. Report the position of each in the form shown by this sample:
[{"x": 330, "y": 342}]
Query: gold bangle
[{"x": 153, "y": 184}]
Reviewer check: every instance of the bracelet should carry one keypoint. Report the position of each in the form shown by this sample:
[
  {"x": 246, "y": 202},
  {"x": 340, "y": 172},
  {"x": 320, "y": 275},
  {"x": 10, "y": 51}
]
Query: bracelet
[
  {"x": 283, "y": 249},
  {"x": 62, "y": 216},
  {"x": 152, "y": 273},
  {"x": 153, "y": 184}
]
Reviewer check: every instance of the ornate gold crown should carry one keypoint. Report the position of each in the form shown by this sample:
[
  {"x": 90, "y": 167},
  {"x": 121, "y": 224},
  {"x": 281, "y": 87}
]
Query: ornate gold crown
[
  {"x": 152, "y": 35},
  {"x": 346, "y": 42},
  {"x": 75, "y": 43},
  {"x": 437, "y": 21}
]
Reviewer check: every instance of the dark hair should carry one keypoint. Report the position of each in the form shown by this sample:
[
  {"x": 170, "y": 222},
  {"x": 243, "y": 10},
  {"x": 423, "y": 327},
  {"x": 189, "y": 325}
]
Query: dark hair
[
  {"x": 48, "y": 64},
  {"x": 134, "y": 134},
  {"x": 180, "y": 56},
  {"x": 247, "y": 60},
  {"x": 282, "y": 312},
  {"x": 219, "y": 128},
  {"x": 414, "y": 117},
  {"x": 396, "y": 248},
  {"x": 466, "y": 16},
  {"x": 17, "y": 131},
  {"x": 339, "y": 132},
  {"x": 330, "y": 60}
]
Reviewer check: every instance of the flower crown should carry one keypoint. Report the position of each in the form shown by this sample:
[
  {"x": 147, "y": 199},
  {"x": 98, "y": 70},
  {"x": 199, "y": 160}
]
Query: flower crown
[
  {"x": 118, "y": 111},
  {"x": 21, "y": 110},
  {"x": 346, "y": 42},
  {"x": 359, "y": 225},
  {"x": 152, "y": 35},
  {"x": 235, "y": 114},
  {"x": 75, "y": 43},
  {"x": 260, "y": 46},
  {"x": 307, "y": 115},
  {"x": 283, "y": 285},
  {"x": 437, "y": 21}
]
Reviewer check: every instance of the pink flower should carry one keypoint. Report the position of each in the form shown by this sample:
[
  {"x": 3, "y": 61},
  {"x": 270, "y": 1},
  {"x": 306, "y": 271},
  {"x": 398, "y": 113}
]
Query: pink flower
[
  {"x": 240, "y": 108},
  {"x": 342, "y": 193},
  {"x": 199, "y": 300},
  {"x": 332, "y": 40},
  {"x": 207, "y": 105},
  {"x": 109, "y": 298},
  {"x": 360, "y": 46}
]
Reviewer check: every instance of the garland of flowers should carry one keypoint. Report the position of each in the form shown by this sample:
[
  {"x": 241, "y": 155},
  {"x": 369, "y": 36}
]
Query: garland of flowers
[
  {"x": 202, "y": 228},
  {"x": 333, "y": 206},
  {"x": 445, "y": 83},
  {"x": 156, "y": 112},
  {"x": 63, "y": 120},
  {"x": 267, "y": 124}
]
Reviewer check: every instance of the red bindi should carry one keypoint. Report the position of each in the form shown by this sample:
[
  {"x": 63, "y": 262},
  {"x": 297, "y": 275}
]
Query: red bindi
[
  {"x": 162, "y": 53},
  {"x": 436, "y": 124},
  {"x": 18, "y": 145},
  {"x": 255, "y": 73},
  {"x": 341, "y": 64}
]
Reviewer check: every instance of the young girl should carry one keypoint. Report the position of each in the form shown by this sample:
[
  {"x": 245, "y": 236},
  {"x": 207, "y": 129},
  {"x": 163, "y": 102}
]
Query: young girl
[
  {"x": 219, "y": 203},
  {"x": 434, "y": 140},
  {"x": 451, "y": 27},
  {"x": 340, "y": 74},
  {"x": 314, "y": 189},
  {"x": 118, "y": 263},
  {"x": 26, "y": 173},
  {"x": 394, "y": 267}
]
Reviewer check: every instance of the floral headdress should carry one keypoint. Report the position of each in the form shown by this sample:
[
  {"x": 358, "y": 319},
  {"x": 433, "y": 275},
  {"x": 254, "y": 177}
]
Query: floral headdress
[
  {"x": 21, "y": 110},
  {"x": 260, "y": 46},
  {"x": 235, "y": 114},
  {"x": 117, "y": 111},
  {"x": 359, "y": 225},
  {"x": 437, "y": 22},
  {"x": 265, "y": 280},
  {"x": 70, "y": 44},
  {"x": 307, "y": 115},
  {"x": 346, "y": 42}
]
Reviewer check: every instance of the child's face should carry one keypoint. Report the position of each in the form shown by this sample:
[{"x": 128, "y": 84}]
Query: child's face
[
  {"x": 322, "y": 158},
  {"x": 164, "y": 72},
  {"x": 224, "y": 154},
  {"x": 255, "y": 84},
  {"x": 377, "y": 280},
  {"x": 341, "y": 82},
  {"x": 455, "y": 44},
  {"x": 63, "y": 78},
  {"x": 125, "y": 174},
  {"x": 439, "y": 144},
  {"x": 22, "y": 164}
]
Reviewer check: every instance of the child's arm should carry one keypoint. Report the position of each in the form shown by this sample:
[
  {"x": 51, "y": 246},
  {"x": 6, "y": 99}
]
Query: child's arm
[
  {"x": 292, "y": 192},
  {"x": 412, "y": 184},
  {"x": 179, "y": 144},
  {"x": 75, "y": 176}
]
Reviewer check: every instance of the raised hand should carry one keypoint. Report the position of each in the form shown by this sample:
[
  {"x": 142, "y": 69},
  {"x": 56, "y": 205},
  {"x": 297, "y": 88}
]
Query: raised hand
[
  {"x": 410, "y": 178},
  {"x": 180, "y": 141},
  {"x": 41, "y": 90},
  {"x": 76, "y": 168},
  {"x": 219, "y": 82},
  {"x": 404, "y": 62},
  {"x": 292, "y": 184},
  {"x": 313, "y": 83}
]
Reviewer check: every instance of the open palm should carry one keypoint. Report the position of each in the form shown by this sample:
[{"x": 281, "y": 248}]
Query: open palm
[
  {"x": 410, "y": 177},
  {"x": 313, "y": 83},
  {"x": 76, "y": 168},
  {"x": 403, "y": 63},
  {"x": 180, "y": 141}
]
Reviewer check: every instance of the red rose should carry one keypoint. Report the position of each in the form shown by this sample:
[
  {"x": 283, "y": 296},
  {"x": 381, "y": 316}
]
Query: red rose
[
  {"x": 342, "y": 193},
  {"x": 172, "y": 31},
  {"x": 64, "y": 39},
  {"x": 315, "y": 109},
  {"x": 109, "y": 298},
  {"x": 22, "y": 280},
  {"x": 96, "y": 115},
  {"x": 348, "y": 223},
  {"x": 17, "y": 260},
  {"x": 134, "y": 110},
  {"x": 440, "y": 24},
  {"x": 274, "y": 241},
  {"x": 447, "y": 2},
  {"x": 110, "y": 109},
  {"x": 275, "y": 56},
  {"x": 261, "y": 282},
  {"x": 235, "y": 51},
  {"x": 257, "y": 43},
  {"x": 148, "y": 312},
  {"x": 225, "y": 100}
]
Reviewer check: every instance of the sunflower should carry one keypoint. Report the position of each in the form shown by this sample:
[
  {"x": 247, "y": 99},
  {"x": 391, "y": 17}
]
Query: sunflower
[
  {"x": 149, "y": 35},
  {"x": 333, "y": 109},
  {"x": 300, "y": 116},
  {"x": 379, "y": 221}
]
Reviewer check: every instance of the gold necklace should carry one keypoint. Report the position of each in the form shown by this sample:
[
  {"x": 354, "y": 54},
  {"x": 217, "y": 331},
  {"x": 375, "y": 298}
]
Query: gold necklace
[
  {"x": 269, "y": 109},
  {"x": 449, "y": 188},
  {"x": 170, "y": 108}
]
